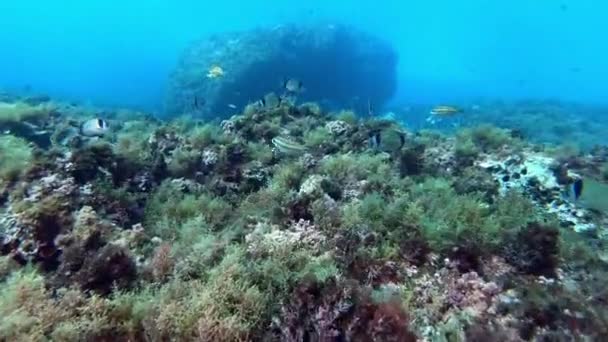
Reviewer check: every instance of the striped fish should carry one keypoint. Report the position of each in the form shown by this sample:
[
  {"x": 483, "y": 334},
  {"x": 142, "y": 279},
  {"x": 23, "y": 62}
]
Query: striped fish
[
  {"x": 287, "y": 146},
  {"x": 445, "y": 111}
]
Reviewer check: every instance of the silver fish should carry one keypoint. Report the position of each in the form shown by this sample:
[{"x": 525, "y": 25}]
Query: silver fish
[
  {"x": 293, "y": 85},
  {"x": 94, "y": 128},
  {"x": 386, "y": 140}
]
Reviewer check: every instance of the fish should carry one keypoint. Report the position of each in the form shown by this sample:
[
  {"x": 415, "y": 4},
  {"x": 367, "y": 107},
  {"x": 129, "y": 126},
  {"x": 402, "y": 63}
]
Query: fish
[
  {"x": 370, "y": 108},
  {"x": 293, "y": 86},
  {"x": 593, "y": 196},
  {"x": 439, "y": 112},
  {"x": 94, "y": 128},
  {"x": 260, "y": 103},
  {"x": 386, "y": 140},
  {"x": 270, "y": 100},
  {"x": 287, "y": 146},
  {"x": 215, "y": 71},
  {"x": 232, "y": 105},
  {"x": 445, "y": 111}
]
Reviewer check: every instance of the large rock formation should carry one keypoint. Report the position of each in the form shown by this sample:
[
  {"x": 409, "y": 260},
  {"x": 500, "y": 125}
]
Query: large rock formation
[{"x": 337, "y": 64}]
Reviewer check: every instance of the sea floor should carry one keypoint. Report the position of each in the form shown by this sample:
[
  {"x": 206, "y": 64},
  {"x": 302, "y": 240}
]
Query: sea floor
[{"x": 290, "y": 224}]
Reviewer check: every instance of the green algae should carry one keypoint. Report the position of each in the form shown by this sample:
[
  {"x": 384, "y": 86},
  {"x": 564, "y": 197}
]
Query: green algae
[
  {"x": 225, "y": 262},
  {"x": 16, "y": 155},
  {"x": 317, "y": 137},
  {"x": 18, "y": 112},
  {"x": 348, "y": 116},
  {"x": 202, "y": 136}
]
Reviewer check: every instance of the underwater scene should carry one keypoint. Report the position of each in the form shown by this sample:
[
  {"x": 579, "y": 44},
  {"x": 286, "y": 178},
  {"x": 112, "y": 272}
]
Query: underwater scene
[{"x": 303, "y": 171}]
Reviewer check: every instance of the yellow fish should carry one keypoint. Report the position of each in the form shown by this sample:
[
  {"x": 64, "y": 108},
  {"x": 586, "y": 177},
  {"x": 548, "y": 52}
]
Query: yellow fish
[
  {"x": 215, "y": 72},
  {"x": 445, "y": 110}
]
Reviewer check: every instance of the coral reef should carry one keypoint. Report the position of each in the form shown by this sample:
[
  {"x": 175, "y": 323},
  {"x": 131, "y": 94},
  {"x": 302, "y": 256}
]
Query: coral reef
[{"x": 284, "y": 223}]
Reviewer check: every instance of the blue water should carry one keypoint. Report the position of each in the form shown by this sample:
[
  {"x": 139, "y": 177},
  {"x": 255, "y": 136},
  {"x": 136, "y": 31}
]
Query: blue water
[{"x": 120, "y": 52}]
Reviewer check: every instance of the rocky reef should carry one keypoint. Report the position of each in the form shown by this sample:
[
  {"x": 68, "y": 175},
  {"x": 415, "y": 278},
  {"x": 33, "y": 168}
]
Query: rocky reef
[
  {"x": 336, "y": 64},
  {"x": 292, "y": 223}
]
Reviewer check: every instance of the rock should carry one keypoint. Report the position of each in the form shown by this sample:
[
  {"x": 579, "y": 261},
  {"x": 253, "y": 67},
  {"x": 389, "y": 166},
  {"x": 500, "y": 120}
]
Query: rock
[
  {"x": 312, "y": 187},
  {"x": 335, "y": 63},
  {"x": 337, "y": 127},
  {"x": 308, "y": 160},
  {"x": 210, "y": 158},
  {"x": 536, "y": 177}
]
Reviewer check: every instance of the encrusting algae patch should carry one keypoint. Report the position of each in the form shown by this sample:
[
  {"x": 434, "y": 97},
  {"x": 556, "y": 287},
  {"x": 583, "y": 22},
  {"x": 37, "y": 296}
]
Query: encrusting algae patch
[{"x": 288, "y": 223}]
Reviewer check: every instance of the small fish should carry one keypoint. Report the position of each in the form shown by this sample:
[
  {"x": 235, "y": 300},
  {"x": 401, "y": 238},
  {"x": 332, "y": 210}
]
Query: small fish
[
  {"x": 30, "y": 125},
  {"x": 232, "y": 106},
  {"x": 293, "y": 86},
  {"x": 94, "y": 128},
  {"x": 370, "y": 108},
  {"x": 594, "y": 196},
  {"x": 215, "y": 72},
  {"x": 444, "y": 111},
  {"x": 271, "y": 100},
  {"x": 287, "y": 146},
  {"x": 260, "y": 103},
  {"x": 387, "y": 140}
]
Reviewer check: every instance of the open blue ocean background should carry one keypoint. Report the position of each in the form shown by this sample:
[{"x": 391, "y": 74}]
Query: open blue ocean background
[{"x": 120, "y": 52}]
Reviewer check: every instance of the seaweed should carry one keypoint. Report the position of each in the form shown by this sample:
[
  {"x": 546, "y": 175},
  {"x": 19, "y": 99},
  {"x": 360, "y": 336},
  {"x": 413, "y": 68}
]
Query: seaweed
[
  {"x": 88, "y": 162},
  {"x": 534, "y": 250},
  {"x": 411, "y": 161},
  {"x": 16, "y": 155},
  {"x": 337, "y": 311},
  {"x": 183, "y": 230},
  {"x": 110, "y": 268},
  {"x": 21, "y": 111}
]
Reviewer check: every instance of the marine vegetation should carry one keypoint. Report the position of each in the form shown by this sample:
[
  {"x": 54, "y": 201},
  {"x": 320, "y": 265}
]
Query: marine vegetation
[
  {"x": 291, "y": 223},
  {"x": 21, "y": 111},
  {"x": 16, "y": 155}
]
